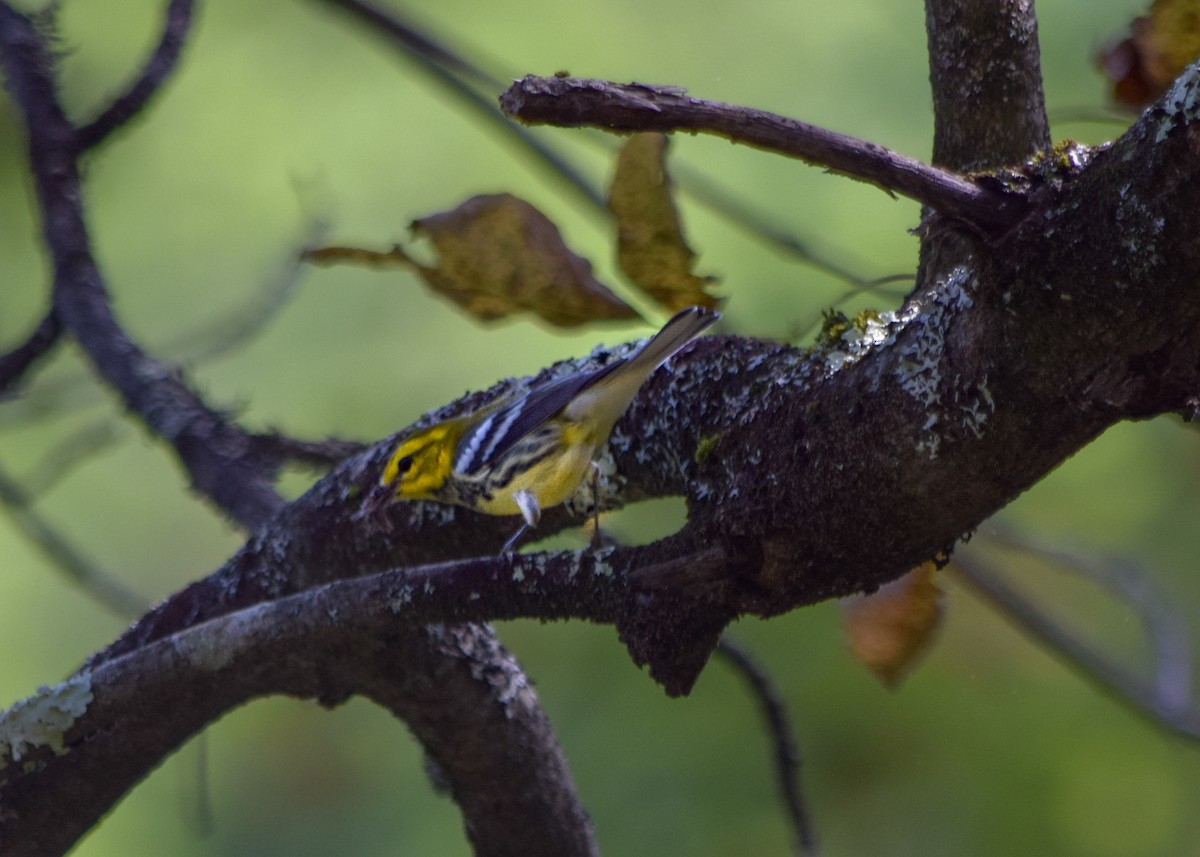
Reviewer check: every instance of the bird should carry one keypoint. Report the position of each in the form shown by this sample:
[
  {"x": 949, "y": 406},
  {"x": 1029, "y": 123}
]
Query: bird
[{"x": 532, "y": 450}]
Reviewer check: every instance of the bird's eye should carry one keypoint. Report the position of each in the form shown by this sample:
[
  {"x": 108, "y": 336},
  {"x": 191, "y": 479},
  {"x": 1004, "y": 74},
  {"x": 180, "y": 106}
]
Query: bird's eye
[{"x": 404, "y": 465}]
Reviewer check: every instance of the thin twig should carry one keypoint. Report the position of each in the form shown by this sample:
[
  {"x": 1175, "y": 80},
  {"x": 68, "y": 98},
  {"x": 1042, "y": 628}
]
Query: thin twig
[
  {"x": 446, "y": 65},
  {"x": 207, "y": 341},
  {"x": 162, "y": 61},
  {"x": 441, "y": 65},
  {"x": 16, "y": 363},
  {"x": 319, "y": 453},
  {"x": 1164, "y": 625},
  {"x": 787, "y": 755},
  {"x": 574, "y": 102},
  {"x": 211, "y": 448},
  {"x": 68, "y": 454},
  {"x": 240, "y": 324},
  {"x": 1122, "y": 685},
  {"x": 63, "y": 556}
]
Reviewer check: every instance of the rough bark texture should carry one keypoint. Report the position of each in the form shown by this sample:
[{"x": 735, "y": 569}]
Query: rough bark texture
[
  {"x": 808, "y": 475},
  {"x": 985, "y": 74}
]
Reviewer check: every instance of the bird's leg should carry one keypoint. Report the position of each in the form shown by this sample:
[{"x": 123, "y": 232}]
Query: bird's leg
[
  {"x": 530, "y": 511},
  {"x": 510, "y": 545},
  {"x": 597, "y": 536}
]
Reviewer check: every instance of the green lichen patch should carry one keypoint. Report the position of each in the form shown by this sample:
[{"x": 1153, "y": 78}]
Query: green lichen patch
[{"x": 705, "y": 447}]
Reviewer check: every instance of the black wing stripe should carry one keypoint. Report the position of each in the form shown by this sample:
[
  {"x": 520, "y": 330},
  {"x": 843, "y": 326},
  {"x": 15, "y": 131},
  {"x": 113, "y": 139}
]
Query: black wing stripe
[{"x": 488, "y": 442}]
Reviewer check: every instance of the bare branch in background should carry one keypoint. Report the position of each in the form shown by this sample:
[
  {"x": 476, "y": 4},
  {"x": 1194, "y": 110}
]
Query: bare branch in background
[
  {"x": 102, "y": 586},
  {"x": 161, "y": 63},
  {"x": 17, "y": 362},
  {"x": 70, "y": 453},
  {"x": 208, "y": 340},
  {"x": 783, "y": 738},
  {"x": 1131, "y": 583},
  {"x": 449, "y": 71},
  {"x": 214, "y": 451},
  {"x": 225, "y": 464},
  {"x": 478, "y": 90},
  {"x": 1159, "y": 703}
]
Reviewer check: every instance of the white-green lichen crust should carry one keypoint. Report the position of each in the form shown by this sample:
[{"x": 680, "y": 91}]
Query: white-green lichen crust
[
  {"x": 43, "y": 719},
  {"x": 1182, "y": 103},
  {"x": 920, "y": 370}
]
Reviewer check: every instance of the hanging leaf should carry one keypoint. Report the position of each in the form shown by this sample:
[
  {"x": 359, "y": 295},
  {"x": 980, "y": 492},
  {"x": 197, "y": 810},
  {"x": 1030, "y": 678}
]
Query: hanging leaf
[
  {"x": 394, "y": 258},
  {"x": 892, "y": 628},
  {"x": 498, "y": 255},
  {"x": 650, "y": 246},
  {"x": 1159, "y": 47}
]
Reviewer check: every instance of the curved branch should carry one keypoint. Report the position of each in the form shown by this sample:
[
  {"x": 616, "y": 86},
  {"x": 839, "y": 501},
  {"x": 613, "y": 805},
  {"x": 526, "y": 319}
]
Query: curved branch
[
  {"x": 227, "y": 465},
  {"x": 17, "y": 362},
  {"x": 573, "y": 102},
  {"x": 122, "y": 715},
  {"x": 1160, "y": 705},
  {"x": 217, "y": 454},
  {"x": 779, "y": 727},
  {"x": 161, "y": 63}
]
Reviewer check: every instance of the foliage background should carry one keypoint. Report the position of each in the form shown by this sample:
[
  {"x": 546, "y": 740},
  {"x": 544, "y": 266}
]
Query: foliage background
[{"x": 282, "y": 111}]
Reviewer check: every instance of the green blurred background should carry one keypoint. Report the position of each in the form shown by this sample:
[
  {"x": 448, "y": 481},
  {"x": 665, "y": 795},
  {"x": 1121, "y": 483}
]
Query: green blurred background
[{"x": 285, "y": 112}]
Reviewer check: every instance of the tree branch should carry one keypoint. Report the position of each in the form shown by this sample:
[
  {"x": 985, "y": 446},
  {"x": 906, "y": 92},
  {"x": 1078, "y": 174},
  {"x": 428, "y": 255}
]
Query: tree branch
[
  {"x": 779, "y": 727},
  {"x": 217, "y": 454},
  {"x": 1160, "y": 705},
  {"x": 986, "y": 76},
  {"x": 574, "y": 102},
  {"x": 225, "y": 466},
  {"x": 125, "y": 713},
  {"x": 161, "y": 63},
  {"x": 17, "y": 362},
  {"x": 988, "y": 106},
  {"x": 807, "y": 475}
]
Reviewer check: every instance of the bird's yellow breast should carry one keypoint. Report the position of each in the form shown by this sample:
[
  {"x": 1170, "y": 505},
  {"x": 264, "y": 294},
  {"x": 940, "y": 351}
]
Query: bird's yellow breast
[{"x": 552, "y": 480}]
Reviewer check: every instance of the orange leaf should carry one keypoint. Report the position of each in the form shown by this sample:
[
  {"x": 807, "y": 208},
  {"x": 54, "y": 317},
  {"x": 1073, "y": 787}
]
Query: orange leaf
[
  {"x": 1161, "y": 44},
  {"x": 650, "y": 246},
  {"x": 892, "y": 628}
]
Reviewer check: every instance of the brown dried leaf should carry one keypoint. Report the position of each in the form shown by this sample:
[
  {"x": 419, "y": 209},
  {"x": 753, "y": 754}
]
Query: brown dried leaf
[
  {"x": 394, "y": 258},
  {"x": 499, "y": 255},
  {"x": 892, "y": 628},
  {"x": 650, "y": 246},
  {"x": 1161, "y": 44}
]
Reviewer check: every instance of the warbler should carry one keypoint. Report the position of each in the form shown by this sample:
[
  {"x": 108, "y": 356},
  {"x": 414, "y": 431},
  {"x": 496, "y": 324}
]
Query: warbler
[{"x": 531, "y": 451}]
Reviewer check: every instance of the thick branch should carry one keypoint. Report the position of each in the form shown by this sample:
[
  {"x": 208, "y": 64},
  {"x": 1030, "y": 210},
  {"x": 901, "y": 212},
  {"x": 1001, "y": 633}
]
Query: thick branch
[
  {"x": 985, "y": 73},
  {"x": 502, "y": 762},
  {"x": 1001, "y": 370},
  {"x": 988, "y": 106},
  {"x": 574, "y": 102}
]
